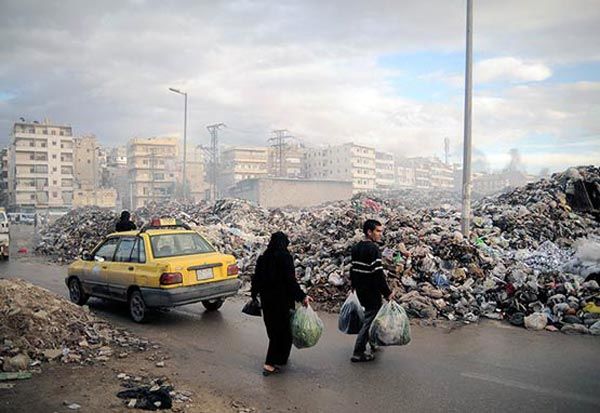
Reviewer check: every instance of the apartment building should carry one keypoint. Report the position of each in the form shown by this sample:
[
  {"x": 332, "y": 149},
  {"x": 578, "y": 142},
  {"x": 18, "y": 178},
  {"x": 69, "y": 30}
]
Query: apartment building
[
  {"x": 152, "y": 165},
  {"x": 347, "y": 162},
  {"x": 86, "y": 162},
  {"x": 115, "y": 175},
  {"x": 286, "y": 161},
  {"x": 239, "y": 163},
  {"x": 40, "y": 166},
  {"x": 385, "y": 177},
  {"x": 424, "y": 173}
]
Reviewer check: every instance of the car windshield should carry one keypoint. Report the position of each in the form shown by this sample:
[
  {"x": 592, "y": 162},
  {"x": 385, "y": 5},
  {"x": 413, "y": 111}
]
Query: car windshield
[{"x": 171, "y": 245}]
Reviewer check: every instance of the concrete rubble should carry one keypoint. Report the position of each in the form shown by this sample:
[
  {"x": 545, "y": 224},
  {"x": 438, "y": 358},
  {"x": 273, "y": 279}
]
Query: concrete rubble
[
  {"x": 36, "y": 326},
  {"x": 530, "y": 250}
]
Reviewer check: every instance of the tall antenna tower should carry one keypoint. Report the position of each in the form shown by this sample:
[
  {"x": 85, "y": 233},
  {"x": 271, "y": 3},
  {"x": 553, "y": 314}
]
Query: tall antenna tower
[
  {"x": 214, "y": 157},
  {"x": 279, "y": 142}
]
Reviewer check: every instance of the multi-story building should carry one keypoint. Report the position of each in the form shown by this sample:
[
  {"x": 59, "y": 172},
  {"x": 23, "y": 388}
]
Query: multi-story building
[
  {"x": 40, "y": 170},
  {"x": 286, "y": 162},
  {"x": 152, "y": 164},
  {"x": 239, "y": 163},
  {"x": 424, "y": 173},
  {"x": 385, "y": 177},
  {"x": 347, "y": 162},
  {"x": 86, "y": 162}
]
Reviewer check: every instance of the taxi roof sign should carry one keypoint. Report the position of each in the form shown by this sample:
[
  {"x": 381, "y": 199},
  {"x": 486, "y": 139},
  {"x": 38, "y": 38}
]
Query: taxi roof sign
[{"x": 156, "y": 223}]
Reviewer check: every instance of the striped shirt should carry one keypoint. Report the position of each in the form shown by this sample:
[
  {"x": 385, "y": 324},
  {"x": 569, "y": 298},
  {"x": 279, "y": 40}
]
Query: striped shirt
[{"x": 367, "y": 276}]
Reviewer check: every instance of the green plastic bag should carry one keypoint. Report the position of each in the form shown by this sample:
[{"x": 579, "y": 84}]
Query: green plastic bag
[
  {"x": 391, "y": 326},
  {"x": 306, "y": 326}
]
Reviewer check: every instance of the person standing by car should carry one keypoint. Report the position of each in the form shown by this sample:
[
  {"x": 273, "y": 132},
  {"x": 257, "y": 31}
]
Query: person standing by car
[
  {"x": 125, "y": 223},
  {"x": 368, "y": 280},
  {"x": 275, "y": 282}
]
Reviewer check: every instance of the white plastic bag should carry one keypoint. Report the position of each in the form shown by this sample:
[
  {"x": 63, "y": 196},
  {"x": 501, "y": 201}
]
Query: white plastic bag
[
  {"x": 306, "y": 327},
  {"x": 351, "y": 316},
  {"x": 391, "y": 326}
]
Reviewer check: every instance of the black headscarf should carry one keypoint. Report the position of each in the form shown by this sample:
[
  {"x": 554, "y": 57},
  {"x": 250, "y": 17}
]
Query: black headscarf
[
  {"x": 125, "y": 215},
  {"x": 278, "y": 242}
]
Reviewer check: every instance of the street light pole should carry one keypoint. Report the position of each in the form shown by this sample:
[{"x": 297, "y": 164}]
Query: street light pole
[
  {"x": 184, "y": 139},
  {"x": 466, "y": 182}
]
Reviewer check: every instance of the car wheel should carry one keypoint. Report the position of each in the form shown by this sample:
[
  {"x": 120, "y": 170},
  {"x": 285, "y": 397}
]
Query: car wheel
[
  {"x": 213, "y": 305},
  {"x": 76, "y": 293},
  {"x": 137, "y": 307}
]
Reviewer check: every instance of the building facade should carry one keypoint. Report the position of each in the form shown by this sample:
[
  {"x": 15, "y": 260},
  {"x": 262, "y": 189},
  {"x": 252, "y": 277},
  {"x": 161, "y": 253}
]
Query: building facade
[
  {"x": 347, "y": 162},
  {"x": 86, "y": 162},
  {"x": 385, "y": 177},
  {"x": 424, "y": 173},
  {"x": 194, "y": 171},
  {"x": 40, "y": 166},
  {"x": 100, "y": 197},
  {"x": 152, "y": 165},
  {"x": 239, "y": 163}
]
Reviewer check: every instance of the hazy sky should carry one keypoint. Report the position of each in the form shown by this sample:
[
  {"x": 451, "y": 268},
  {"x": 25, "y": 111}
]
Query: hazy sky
[{"x": 385, "y": 73}]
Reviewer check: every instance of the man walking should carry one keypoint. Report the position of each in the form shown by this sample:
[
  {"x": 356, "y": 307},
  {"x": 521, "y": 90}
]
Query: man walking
[{"x": 368, "y": 280}]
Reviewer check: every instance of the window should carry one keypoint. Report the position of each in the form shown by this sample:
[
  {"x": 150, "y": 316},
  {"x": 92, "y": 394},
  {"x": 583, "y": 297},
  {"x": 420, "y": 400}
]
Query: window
[
  {"x": 61, "y": 133},
  {"x": 31, "y": 143},
  {"x": 53, "y": 132},
  {"x": 171, "y": 245},
  {"x": 53, "y": 143},
  {"x": 54, "y": 156},
  {"x": 139, "y": 251},
  {"x": 89, "y": 161},
  {"x": 32, "y": 196},
  {"x": 54, "y": 194},
  {"x": 43, "y": 144},
  {"x": 124, "y": 249},
  {"x": 107, "y": 249},
  {"x": 54, "y": 182}
]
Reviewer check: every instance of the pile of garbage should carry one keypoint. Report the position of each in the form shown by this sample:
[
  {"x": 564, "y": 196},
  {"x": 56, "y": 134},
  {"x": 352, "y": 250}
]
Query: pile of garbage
[
  {"x": 530, "y": 250},
  {"x": 77, "y": 231},
  {"x": 37, "y": 326}
]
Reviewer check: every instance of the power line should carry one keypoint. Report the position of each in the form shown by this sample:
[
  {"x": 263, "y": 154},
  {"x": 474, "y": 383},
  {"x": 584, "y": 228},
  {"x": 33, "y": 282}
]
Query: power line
[{"x": 280, "y": 144}]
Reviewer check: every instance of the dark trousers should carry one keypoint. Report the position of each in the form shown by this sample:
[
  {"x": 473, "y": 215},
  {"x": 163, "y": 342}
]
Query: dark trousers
[
  {"x": 363, "y": 335},
  {"x": 277, "y": 322}
]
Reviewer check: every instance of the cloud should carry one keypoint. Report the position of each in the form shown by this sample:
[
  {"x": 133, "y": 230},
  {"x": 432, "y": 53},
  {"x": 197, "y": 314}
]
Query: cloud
[
  {"x": 509, "y": 69},
  {"x": 310, "y": 67}
]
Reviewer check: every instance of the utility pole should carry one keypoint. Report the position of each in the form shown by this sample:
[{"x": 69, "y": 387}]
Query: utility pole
[
  {"x": 280, "y": 139},
  {"x": 466, "y": 183},
  {"x": 446, "y": 149},
  {"x": 214, "y": 157}
]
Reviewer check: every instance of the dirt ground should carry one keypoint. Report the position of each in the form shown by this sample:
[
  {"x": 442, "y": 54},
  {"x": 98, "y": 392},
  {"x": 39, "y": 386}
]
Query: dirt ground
[{"x": 94, "y": 388}]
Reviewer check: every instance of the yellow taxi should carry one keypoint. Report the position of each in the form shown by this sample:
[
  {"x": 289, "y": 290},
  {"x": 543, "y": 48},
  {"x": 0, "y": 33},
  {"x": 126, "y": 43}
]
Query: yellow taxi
[{"x": 164, "y": 264}]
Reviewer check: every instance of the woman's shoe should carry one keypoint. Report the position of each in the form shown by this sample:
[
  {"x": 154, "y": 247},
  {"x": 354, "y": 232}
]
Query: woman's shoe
[{"x": 266, "y": 372}]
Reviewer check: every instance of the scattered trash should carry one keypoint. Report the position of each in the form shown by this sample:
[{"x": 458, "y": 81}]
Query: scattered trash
[
  {"x": 530, "y": 250},
  {"x": 536, "y": 321},
  {"x": 38, "y": 326},
  {"x": 252, "y": 308}
]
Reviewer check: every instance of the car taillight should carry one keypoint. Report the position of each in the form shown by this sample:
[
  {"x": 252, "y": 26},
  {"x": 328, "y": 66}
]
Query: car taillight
[
  {"x": 168, "y": 278},
  {"x": 232, "y": 270}
]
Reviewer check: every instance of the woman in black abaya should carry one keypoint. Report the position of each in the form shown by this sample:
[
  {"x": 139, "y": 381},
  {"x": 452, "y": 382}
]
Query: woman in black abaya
[{"x": 275, "y": 282}]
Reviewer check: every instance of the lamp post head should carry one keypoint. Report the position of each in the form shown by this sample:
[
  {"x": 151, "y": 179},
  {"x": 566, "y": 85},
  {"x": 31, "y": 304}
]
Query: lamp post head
[{"x": 176, "y": 91}]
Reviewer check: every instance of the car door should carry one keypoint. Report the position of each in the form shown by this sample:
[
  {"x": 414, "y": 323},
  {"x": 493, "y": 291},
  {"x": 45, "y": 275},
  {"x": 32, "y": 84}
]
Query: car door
[
  {"x": 122, "y": 270},
  {"x": 95, "y": 272}
]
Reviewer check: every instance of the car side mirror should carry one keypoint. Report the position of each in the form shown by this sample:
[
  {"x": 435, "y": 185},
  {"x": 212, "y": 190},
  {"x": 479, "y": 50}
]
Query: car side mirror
[
  {"x": 86, "y": 256},
  {"x": 98, "y": 258}
]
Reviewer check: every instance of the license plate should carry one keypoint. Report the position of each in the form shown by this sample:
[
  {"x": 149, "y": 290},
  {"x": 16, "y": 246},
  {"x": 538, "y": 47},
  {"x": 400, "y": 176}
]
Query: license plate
[{"x": 204, "y": 274}]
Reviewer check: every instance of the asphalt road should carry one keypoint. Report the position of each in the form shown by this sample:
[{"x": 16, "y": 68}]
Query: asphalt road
[{"x": 490, "y": 366}]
